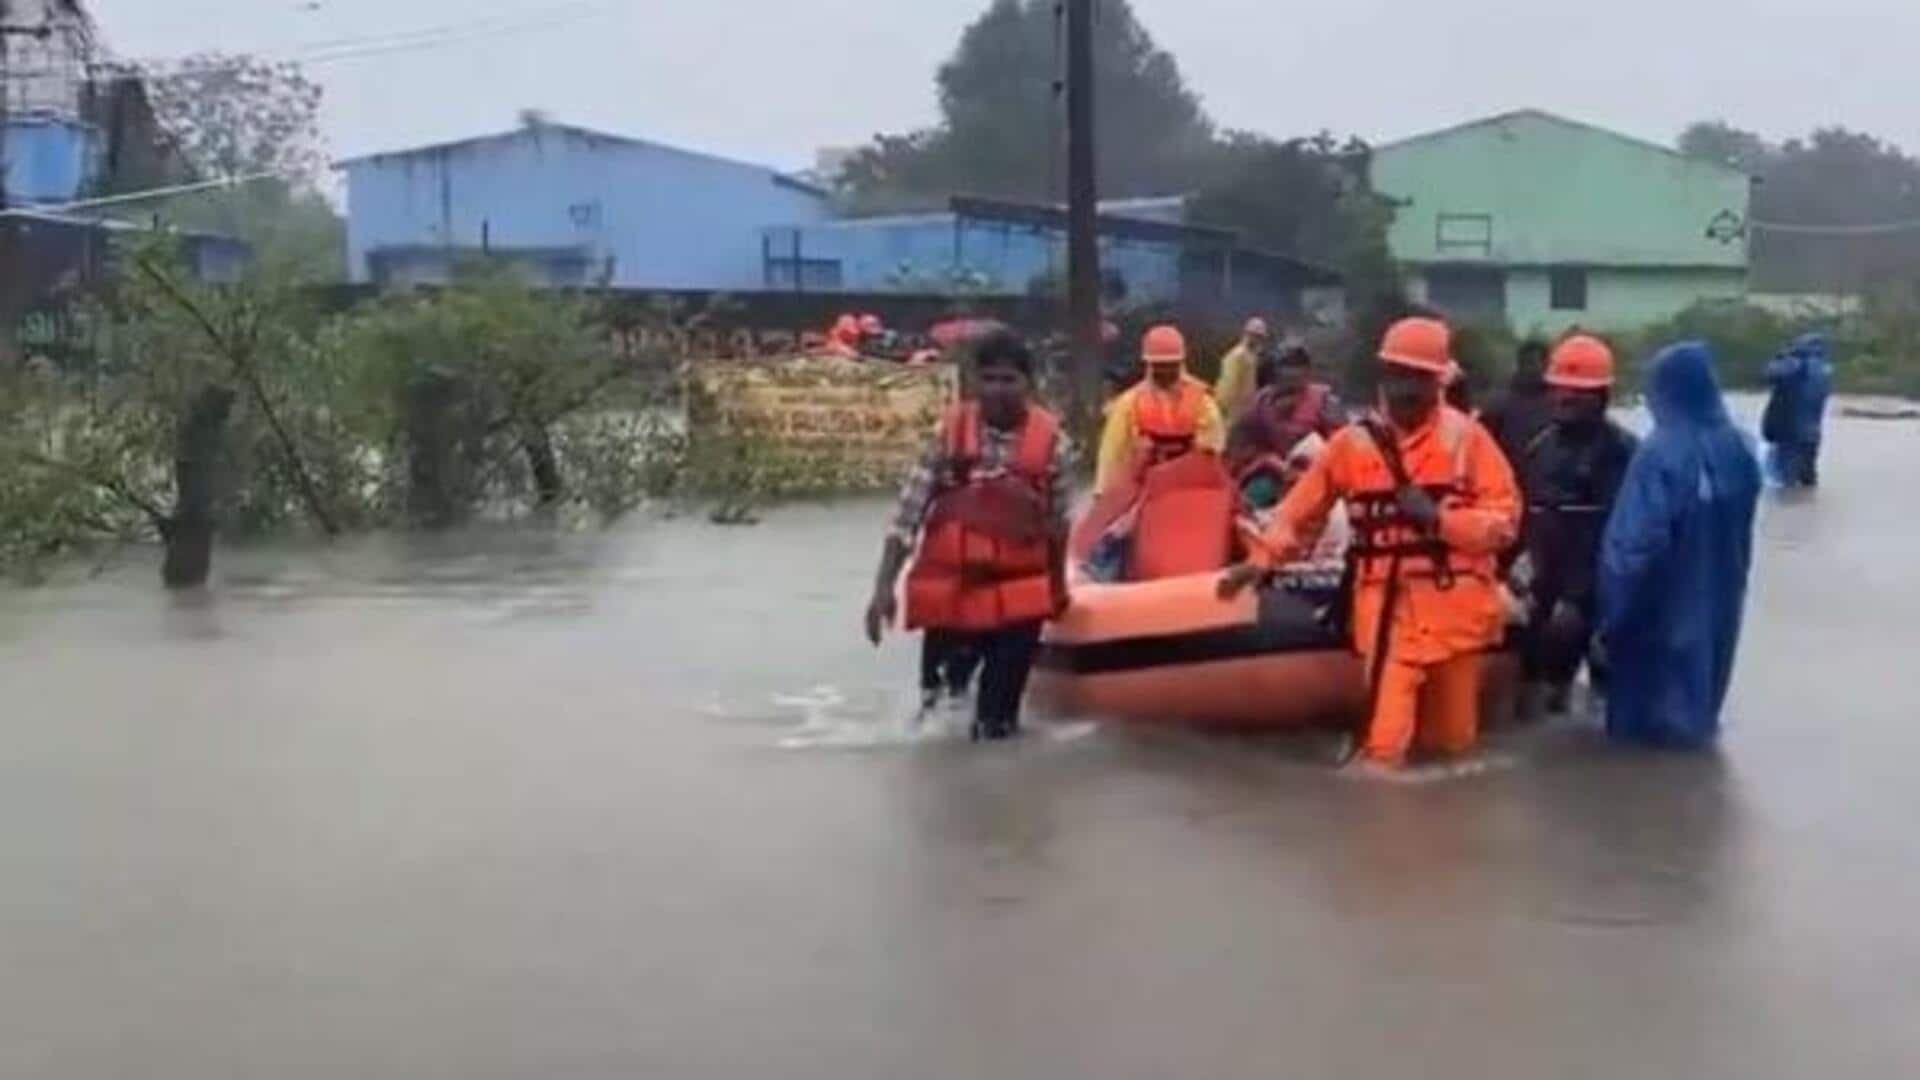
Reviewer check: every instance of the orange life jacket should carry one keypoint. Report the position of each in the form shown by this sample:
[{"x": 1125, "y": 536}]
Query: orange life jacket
[
  {"x": 1164, "y": 424},
  {"x": 1381, "y": 529},
  {"x": 985, "y": 554}
]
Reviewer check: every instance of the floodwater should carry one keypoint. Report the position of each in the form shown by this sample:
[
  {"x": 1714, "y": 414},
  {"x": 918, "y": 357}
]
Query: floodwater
[{"x": 641, "y": 805}]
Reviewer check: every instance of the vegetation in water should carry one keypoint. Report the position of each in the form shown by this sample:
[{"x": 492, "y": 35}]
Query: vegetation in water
[{"x": 246, "y": 409}]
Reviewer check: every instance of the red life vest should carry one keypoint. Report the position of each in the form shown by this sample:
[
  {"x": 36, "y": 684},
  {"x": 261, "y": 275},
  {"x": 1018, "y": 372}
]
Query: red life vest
[
  {"x": 1185, "y": 523},
  {"x": 1166, "y": 424},
  {"x": 985, "y": 554}
]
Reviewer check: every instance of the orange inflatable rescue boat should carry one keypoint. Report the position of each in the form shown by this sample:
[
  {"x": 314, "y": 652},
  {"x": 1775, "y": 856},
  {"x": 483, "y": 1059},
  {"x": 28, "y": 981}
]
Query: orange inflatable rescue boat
[{"x": 1167, "y": 651}]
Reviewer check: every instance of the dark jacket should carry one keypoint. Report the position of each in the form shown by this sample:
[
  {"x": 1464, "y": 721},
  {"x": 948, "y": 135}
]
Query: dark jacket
[
  {"x": 1570, "y": 480},
  {"x": 1518, "y": 416}
]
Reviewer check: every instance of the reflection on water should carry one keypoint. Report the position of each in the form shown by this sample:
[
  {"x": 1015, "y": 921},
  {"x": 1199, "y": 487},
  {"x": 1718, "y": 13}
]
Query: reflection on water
[{"x": 514, "y": 804}]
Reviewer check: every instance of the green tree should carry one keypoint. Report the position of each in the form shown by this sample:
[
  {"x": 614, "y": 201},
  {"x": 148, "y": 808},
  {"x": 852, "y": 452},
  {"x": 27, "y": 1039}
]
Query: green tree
[
  {"x": 1831, "y": 210},
  {"x": 236, "y": 115},
  {"x": 1311, "y": 198},
  {"x": 145, "y": 442},
  {"x": 1718, "y": 141},
  {"x": 231, "y": 114},
  {"x": 1306, "y": 197},
  {"x": 1001, "y": 126},
  {"x": 476, "y": 395},
  {"x": 293, "y": 232}
]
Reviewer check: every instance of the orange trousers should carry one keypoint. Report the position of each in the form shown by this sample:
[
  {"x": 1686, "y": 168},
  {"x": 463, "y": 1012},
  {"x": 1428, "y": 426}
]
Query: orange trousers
[{"x": 1435, "y": 707}]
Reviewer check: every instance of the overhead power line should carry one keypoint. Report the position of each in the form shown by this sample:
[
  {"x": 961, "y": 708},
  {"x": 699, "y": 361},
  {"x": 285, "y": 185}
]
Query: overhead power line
[
  {"x": 1878, "y": 229},
  {"x": 463, "y": 25},
  {"x": 418, "y": 40},
  {"x": 139, "y": 196},
  {"x": 549, "y": 19}
]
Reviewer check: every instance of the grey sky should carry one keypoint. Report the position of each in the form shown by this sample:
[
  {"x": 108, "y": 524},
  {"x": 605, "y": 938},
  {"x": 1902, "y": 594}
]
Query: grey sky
[{"x": 770, "y": 80}]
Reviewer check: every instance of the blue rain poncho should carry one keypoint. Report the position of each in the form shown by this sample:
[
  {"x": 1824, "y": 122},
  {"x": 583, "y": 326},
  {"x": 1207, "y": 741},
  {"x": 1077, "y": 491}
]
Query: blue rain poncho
[
  {"x": 1812, "y": 370},
  {"x": 1674, "y": 561},
  {"x": 1802, "y": 379}
]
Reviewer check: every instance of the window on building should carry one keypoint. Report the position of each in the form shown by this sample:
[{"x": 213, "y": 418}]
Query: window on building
[
  {"x": 1472, "y": 293},
  {"x": 810, "y": 273},
  {"x": 1567, "y": 286},
  {"x": 1463, "y": 234}
]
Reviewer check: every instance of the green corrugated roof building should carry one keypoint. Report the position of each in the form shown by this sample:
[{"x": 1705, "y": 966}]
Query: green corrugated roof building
[{"x": 1550, "y": 223}]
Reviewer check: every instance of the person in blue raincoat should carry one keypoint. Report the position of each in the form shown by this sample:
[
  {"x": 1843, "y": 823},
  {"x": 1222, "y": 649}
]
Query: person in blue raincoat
[
  {"x": 1802, "y": 379},
  {"x": 1674, "y": 560}
]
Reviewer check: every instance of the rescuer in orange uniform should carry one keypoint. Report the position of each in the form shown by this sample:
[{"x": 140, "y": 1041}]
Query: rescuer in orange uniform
[
  {"x": 987, "y": 505},
  {"x": 1431, "y": 515},
  {"x": 1164, "y": 415}
]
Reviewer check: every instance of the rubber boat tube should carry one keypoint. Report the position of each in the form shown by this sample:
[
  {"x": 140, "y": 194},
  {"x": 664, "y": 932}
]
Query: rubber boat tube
[{"x": 1172, "y": 653}]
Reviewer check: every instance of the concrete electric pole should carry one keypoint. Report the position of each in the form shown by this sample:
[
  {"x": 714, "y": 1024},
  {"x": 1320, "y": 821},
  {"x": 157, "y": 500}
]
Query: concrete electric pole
[{"x": 1083, "y": 241}]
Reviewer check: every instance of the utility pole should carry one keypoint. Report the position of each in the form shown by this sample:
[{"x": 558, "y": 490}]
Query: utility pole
[
  {"x": 1083, "y": 240},
  {"x": 6, "y": 95},
  {"x": 11, "y": 290}
]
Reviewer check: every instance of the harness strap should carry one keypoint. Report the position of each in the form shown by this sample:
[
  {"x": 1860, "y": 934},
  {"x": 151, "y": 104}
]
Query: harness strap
[{"x": 1430, "y": 546}]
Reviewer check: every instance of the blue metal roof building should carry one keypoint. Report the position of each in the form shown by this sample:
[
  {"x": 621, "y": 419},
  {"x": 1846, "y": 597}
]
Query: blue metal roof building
[
  {"x": 967, "y": 249},
  {"x": 578, "y": 207},
  {"x": 572, "y": 206},
  {"x": 1149, "y": 256}
]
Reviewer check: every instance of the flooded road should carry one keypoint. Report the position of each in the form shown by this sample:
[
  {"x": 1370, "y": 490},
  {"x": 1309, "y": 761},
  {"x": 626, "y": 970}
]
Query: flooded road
[{"x": 640, "y": 805}]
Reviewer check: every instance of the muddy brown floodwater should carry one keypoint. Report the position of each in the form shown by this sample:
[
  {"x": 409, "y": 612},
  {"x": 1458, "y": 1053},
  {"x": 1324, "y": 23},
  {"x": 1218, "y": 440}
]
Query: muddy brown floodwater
[{"x": 640, "y": 805}]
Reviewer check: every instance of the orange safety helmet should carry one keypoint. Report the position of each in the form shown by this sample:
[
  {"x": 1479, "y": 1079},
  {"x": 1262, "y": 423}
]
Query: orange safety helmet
[
  {"x": 1422, "y": 343},
  {"x": 1582, "y": 362},
  {"x": 1164, "y": 345}
]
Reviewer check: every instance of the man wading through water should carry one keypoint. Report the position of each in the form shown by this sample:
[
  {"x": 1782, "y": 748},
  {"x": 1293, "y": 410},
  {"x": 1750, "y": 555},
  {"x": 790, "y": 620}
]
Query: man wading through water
[
  {"x": 987, "y": 506},
  {"x": 1433, "y": 504},
  {"x": 1571, "y": 472}
]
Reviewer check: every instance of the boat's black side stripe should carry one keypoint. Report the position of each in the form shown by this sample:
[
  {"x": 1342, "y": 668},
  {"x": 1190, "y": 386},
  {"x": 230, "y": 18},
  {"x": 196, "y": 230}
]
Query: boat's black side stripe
[
  {"x": 1288, "y": 622},
  {"x": 1140, "y": 654},
  {"x": 1197, "y": 647}
]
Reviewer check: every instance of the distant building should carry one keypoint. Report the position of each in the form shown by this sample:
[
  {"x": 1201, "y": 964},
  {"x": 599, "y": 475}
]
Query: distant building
[
  {"x": 1149, "y": 256},
  {"x": 48, "y": 51},
  {"x": 572, "y": 206},
  {"x": 75, "y": 124},
  {"x": 1548, "y": 223}
]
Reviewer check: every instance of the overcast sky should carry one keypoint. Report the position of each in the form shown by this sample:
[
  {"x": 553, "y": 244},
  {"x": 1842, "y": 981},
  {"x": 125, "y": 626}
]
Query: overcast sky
[{"x": 771, "y": 80}]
